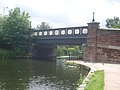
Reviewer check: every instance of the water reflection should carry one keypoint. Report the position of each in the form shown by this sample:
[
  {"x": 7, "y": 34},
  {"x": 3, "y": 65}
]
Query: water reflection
[{"x": 37, "y": 75}]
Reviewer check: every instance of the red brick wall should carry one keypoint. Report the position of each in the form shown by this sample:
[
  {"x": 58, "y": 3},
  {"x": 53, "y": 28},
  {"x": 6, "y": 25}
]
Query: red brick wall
[
  {"x": 108, "y": 55},
  {"x": 103, "y": 45},
  {"x": 108, "y": 37},
  {"x": 90, "y": 52},
  {"x": 108, "y": 45}
]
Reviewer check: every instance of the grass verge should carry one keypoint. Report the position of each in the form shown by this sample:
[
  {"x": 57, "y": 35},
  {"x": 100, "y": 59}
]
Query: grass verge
[{"x": 96, "y": 82}]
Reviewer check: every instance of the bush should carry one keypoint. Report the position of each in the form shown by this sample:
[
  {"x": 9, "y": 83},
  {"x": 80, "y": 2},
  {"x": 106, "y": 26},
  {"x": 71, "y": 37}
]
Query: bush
[{"x": 4, "y": 54}]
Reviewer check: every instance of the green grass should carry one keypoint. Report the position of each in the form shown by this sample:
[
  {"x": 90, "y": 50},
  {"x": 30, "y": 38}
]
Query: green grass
[{"x": 96, "y": 82}]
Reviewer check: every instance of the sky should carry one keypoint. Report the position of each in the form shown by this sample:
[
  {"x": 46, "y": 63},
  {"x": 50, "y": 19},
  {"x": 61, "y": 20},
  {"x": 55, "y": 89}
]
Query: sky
[{"x": 64, "y": 13}]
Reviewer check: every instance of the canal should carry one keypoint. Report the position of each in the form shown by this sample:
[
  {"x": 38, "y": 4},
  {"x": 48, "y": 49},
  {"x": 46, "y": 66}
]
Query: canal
[{"x": 39, "y": 75}]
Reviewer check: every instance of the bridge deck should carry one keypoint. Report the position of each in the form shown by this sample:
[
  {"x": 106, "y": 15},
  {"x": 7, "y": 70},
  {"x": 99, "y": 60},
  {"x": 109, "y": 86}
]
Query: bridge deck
[{"x": 70, "y": 35}]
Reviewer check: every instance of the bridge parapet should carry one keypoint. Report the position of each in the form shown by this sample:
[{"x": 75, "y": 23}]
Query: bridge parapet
[{"x": 70, "y": 31}]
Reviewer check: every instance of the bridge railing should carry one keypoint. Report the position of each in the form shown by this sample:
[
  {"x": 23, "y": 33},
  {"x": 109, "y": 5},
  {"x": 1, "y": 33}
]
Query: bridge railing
[{"x": 61, "y": 32}]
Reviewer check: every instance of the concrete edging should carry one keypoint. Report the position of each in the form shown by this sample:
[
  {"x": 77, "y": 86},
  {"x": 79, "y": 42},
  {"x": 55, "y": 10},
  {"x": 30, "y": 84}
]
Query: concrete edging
[
  {"x": 93, "y": 67},
  {"x": 88, "y": 77}
]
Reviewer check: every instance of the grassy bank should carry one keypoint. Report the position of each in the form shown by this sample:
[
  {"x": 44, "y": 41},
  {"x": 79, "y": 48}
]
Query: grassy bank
[{"x": 96, "y": 82}]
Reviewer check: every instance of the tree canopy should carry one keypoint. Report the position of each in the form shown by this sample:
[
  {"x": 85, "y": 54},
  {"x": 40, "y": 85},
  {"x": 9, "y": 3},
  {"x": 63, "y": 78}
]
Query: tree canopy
[
  {"x": 15, "y": 30},
  {"x": 113, "y": 23},
  {"x": 2, "y": 34},
  {"x": 43, "y": 26}
]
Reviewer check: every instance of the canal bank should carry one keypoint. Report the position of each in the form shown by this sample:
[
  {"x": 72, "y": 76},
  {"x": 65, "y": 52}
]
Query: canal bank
[{"x": 112, "y": 72}]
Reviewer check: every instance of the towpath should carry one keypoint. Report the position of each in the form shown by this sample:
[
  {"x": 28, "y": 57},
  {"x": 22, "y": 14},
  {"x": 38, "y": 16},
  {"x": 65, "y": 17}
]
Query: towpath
[{"x": 112, "y": 73}]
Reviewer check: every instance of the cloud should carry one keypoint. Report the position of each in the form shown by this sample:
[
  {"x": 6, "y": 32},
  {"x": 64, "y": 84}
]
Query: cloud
[
  {"x": 63, "y": 13},
  {"x": 112, "y": 1}
]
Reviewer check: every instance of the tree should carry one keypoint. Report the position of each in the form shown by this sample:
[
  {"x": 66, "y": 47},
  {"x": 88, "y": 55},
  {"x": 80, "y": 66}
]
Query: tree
[
  {"x": 44, "y": 25},
  {"x": 1, "y": 31},
  {"x": 113, "y": 23},
  {"x": 2, "y": 35},
  {"x": 16, "y": 30}
]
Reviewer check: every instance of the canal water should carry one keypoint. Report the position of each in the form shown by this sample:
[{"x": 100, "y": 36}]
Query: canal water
[{"x": 38, "y": 75}]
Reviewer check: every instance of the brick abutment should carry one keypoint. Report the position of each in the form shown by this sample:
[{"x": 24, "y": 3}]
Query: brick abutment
[{"x": 103, "y": 45}]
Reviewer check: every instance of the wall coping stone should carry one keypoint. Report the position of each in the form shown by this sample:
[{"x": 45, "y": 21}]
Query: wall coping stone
[
  {"x": 109, "y": 46},
  {"x": 112, "y": 29}
]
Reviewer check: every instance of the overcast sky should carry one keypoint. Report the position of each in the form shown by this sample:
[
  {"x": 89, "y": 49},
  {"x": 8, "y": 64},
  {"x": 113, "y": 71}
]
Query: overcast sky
[{"x": 65, "y": 13}]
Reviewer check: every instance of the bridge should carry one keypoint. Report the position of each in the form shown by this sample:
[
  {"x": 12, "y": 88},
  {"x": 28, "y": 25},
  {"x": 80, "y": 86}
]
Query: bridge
[
  {"x": 103, "y": 45},
  {"x": 46, "y": 41},
  {"x": 61, "y": 36}
]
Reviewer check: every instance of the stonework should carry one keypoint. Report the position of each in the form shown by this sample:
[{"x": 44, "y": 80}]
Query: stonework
[
  {"x": 90, "y": 52},
  {"x": 108, "y": 45},
  {"x": 103, "y": 45},
  {"x": 108, "y": 55}
]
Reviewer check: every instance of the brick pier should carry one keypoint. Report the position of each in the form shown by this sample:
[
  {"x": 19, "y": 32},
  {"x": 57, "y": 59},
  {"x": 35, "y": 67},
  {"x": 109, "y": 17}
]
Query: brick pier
[{"x": 103, "y": 45}]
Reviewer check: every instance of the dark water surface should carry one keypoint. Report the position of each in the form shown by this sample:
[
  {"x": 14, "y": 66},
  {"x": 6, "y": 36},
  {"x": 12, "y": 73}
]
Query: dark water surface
[{"x": 38, "y": 75}]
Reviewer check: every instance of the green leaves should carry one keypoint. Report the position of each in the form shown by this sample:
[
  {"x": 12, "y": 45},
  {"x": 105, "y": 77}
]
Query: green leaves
[
  {"x": 66, "y": 50},
  {"x": 15, "y": 30},
  {"x": 113, "y": 23},
  {"x": 43, "y": 26}
]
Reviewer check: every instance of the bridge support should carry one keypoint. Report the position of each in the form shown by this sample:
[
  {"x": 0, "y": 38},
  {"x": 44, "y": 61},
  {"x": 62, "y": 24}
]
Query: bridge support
[
  {"x": 45, "y": 52},
  {"x": 90, "y": 53}
]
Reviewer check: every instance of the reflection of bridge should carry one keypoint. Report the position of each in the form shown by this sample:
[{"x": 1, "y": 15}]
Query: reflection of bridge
[{"x": 61, "y": 36}]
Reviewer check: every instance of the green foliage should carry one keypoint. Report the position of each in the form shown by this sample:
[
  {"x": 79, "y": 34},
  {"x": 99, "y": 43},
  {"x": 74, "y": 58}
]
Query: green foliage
[
  {"x": 79, "y": 82},
  {"x": 43, "y": 26},
  {"x": 4, "y": 54},
  {"x": 1, "y": 31},
  {"x": 1, "y": 23},
  {"x": 113, "y": 23},
  {"x": 14, "y": 32},
  {"x": 3, "y": 42},
  {"x": 74, "y": 50},
  {"x": 69, "y": 50},
  {"x": 61, "y": 51},
  {"x": 96, "y": 82}
]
